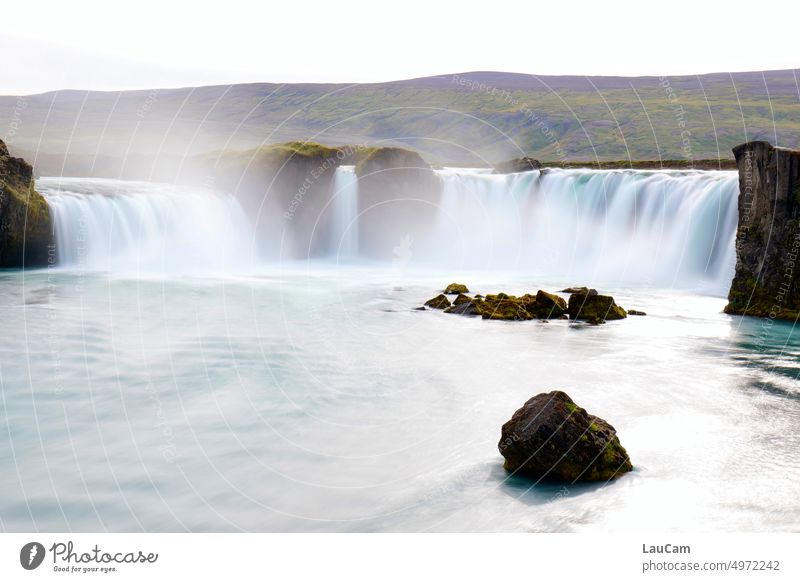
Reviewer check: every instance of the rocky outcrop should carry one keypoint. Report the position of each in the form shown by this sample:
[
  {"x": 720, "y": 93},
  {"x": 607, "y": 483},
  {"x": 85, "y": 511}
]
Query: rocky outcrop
[
  {"x": 438, "y": 302},
  {"x": 548, "y": 306},
  {"x": 396, "y": 188},
  {"x": 766, "y": 282},
  {"x": 25, "y": 222},
  {"x": 280, "y": 185},
  {"x": 553, "y": 438},
  {"x": 584, "y": 305},
  {"x": 594, "y": 308},
  {"x": 505, "y": 307},
  {"x": 462, "y": 299},
  {"x": 455, "y": 288},
  {"x": 517, "y": 165}
]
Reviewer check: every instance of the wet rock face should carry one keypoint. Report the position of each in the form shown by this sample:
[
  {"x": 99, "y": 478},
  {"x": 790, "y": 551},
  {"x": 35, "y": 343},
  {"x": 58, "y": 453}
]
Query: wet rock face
[
  {"x": 396, "y": 188},
  {"x": 438, "y": 302},
  {"x": 594, "y": 308},
  {"x": 455, "y": 288},
  {"x": 766, "y": 282},
  {"x": 461, "y": 299},
  {"x": 25, "y": 222},
  {"x": 549, "y": 306},
  {"x": 554, "y": 439}
]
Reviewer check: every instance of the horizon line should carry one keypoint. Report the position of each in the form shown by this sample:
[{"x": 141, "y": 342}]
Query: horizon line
[{"x": 404, "y": 80}]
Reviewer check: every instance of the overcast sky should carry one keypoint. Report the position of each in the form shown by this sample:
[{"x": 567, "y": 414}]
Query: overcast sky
[{"x": 49, "y": 45}]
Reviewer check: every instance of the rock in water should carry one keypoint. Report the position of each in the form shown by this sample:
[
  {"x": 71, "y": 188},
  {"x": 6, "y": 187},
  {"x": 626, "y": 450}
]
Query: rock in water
[
  {"x": 547, "y": 306},
  {"x": 767, "y": 279},
  {"x": 462, "y": 299},
  {"x": 455, "y": 289},
  {"x": 468, "y": 308},
  {"x": 594, "y": 308},
  {"x": 502, "y": 306},
  {"x": 438, "y": 302},
  {"x": 635, "y": 312},
  {"x": 553, "y": 438}
]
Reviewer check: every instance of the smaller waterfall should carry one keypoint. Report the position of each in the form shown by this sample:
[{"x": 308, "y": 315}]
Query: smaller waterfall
[
  {"x": 344, "y": 228},
  {"x": 116, "y": 226}
]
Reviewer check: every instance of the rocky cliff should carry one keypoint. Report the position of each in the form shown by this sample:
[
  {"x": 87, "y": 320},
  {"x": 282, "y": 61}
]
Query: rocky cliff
[
  {"x": 399, "y": 198},
  {"x": 766, "y": 282},
  {"x": 25, "y": 224}
]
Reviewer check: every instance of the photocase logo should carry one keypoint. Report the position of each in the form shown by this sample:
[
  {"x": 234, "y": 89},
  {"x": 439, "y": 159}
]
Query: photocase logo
[{"x": 31, "y": 555}]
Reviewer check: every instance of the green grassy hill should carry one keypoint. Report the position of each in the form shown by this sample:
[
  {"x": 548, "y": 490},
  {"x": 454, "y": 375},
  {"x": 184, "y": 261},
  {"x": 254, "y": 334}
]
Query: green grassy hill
[{"x": 469, "y": 118}]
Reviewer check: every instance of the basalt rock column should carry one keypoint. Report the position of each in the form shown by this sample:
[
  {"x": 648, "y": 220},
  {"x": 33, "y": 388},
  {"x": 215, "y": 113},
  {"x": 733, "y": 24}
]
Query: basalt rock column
[{"x": 767, "y": 282}]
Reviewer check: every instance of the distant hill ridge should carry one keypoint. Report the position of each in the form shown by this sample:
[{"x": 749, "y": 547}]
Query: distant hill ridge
[{"x": 471, "y": 118}]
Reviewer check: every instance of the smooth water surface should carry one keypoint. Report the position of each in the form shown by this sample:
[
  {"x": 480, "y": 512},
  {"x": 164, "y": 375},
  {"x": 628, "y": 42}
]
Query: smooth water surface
[{"x": 314, "y": 398}]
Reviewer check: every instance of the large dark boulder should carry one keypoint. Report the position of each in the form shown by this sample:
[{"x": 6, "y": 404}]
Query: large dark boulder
[
  {"x": 26, "y": 230},
  {"x": 594, "y": 308},
  {"x": 553, "y": 438},
  {"x": 767, "y": 279}
]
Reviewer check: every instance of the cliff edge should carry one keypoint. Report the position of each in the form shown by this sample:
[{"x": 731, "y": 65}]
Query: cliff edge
[
  {"x": 25, "y": 222},
  {"x": 767, "y": 282}
]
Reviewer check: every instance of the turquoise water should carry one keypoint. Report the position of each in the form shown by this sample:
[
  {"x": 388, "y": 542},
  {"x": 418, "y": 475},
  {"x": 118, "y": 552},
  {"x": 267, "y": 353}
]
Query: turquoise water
[{"x": 313, "y": 398}]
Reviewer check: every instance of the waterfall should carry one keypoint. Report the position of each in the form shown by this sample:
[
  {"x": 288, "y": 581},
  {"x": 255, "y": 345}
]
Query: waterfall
[
  {"x": 344, "y": 228},
  {"x": 619, "y": 227},
  {"x": 611, "y": 228},
  {"x": 111, "y": 225}
]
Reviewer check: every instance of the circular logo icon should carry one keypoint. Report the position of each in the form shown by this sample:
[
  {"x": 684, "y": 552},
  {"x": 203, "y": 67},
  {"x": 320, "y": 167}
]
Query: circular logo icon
[{"x": 31, "y": 555}]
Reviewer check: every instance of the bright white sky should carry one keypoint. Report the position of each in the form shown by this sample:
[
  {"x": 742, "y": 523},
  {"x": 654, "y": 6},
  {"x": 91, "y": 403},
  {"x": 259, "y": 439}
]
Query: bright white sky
[{"x": 122, "y": 44}]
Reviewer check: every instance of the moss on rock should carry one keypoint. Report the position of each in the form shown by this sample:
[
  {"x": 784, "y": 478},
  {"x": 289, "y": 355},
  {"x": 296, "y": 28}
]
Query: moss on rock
[
  {"x": 25, "y": 220},
  {"x": 594, "y": 308},
  {"x": 455, "y": 288},
  {"x": 553, "y": 438},
  {"x": 438, "y": 302}
]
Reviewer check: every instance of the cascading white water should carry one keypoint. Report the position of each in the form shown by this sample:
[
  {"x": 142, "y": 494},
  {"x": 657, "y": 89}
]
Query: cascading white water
[
  {"x": 620, "y": 227},
  {"x": 659, "y": 228},
  {"x": 344, "y": 230},
  {"x": 111, "y": 225}
]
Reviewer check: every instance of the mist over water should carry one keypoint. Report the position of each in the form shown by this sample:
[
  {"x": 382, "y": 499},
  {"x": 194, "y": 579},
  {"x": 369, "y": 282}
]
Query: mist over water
[
  {"x": 319, "y": 400},
  {"x": 657, "y": 229},
  {"x": 236, "y": 392},
  {"x": 110, "y": 225}
]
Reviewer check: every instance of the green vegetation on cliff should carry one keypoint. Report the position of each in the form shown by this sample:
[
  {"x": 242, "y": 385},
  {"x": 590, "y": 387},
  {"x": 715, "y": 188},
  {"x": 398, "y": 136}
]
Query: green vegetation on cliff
[{"x": 25, "y": 224}]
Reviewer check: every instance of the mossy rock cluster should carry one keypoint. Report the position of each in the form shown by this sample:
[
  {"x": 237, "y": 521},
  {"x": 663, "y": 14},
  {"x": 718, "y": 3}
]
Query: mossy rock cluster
[
  {"x": 501, "y": 306},
  {"x": 552, "y": 438},
  {"x": 584, "y": 305}
]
